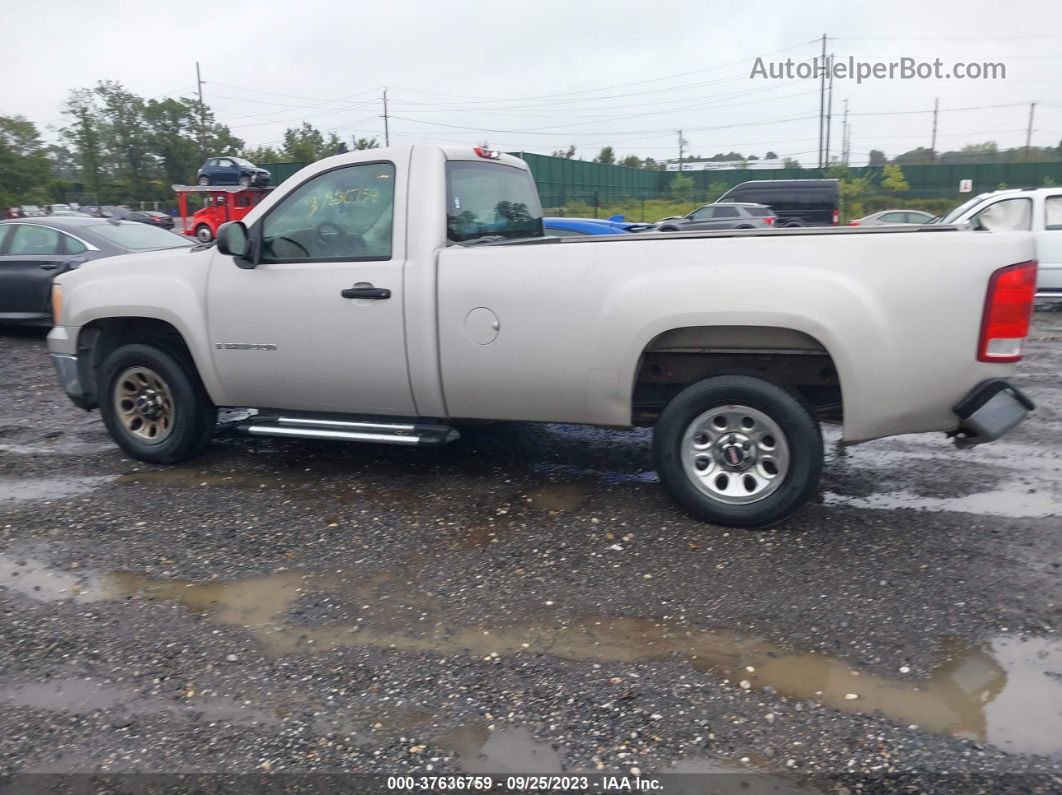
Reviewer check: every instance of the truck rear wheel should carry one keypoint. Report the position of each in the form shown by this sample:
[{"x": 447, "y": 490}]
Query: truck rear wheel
[
  {"x": 739, "y": 451},
  {"x": 203, "y": 233},
  {"x": 154, "y": 405}
]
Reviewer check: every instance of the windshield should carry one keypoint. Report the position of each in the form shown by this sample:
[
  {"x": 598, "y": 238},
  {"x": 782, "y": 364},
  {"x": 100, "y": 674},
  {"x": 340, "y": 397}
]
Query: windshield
[
  {"x": 958, "y": 211},
  {"x": 490, "y": 199},
  {"x": 138, "y": 237},
  {"x": 245, "y": 163}
]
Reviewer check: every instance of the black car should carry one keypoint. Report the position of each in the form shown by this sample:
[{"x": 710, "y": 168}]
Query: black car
[
  {"x": 151, "y": 217},
  {"x": 721, "y": 216},
  {"x": 796, "y": 202},
  {"x": 232, "y": 171},
  {"x": 33, "y": 251}
]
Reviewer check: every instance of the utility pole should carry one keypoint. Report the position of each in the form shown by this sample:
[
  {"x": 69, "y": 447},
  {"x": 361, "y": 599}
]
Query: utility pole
[
  {"x": 387, "y": 128},
  {"x": 844, "y": 135},
  {"x": 202, "y": 112},
  {"x": 1028, "y": 131},
  {"x": 682, "y": 148},
  {"x": 933, "y": 143},
  {"x": 822, "y": 96},
  {"x": 829, "y": 113}
]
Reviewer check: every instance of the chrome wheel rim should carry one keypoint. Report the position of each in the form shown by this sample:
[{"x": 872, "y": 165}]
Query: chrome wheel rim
[
  {"x": 735, "y": 454},
  {"x": 203, "y": 234},
  {"x": 144, "y": 404}
]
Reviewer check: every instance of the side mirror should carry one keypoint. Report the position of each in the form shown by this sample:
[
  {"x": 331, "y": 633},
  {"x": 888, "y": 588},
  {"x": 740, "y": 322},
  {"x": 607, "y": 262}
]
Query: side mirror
[{"x": 233, "y": 241}]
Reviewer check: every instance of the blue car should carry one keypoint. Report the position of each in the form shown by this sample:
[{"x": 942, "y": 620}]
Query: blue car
[
  {"x": 232, "y": 171},
  {"x": 576, "y": 227}
]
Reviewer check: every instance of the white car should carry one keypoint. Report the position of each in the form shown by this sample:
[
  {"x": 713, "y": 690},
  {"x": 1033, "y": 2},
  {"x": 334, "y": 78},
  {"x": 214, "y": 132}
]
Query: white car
[
  {"x": 1036, "y": 210},
  {"x": 387, "y": 295}
]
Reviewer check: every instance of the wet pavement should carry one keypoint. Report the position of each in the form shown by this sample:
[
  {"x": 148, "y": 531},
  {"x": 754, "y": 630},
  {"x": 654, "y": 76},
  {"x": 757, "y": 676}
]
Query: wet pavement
[{"x": 527, "y": 600}]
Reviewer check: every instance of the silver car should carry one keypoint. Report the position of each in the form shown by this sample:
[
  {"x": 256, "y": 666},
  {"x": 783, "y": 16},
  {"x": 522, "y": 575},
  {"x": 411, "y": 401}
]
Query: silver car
[
  {"x": 722, "y": 215},
  {"x": 889, "y": 217}
]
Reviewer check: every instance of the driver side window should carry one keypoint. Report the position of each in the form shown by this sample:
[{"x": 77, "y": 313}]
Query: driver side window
[{"x": 342, "y": 214}]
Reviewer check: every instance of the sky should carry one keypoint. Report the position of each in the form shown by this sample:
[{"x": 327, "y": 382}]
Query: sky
[{"x": 544, "y": 75}]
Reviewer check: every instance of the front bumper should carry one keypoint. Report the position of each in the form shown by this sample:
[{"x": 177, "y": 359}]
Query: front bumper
[
  {"x": 70, "y": 378},
  {"x": 991, "y": 410}
]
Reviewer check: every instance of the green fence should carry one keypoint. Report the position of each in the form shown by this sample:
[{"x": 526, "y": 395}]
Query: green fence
[{"x": 561, "y": 181}]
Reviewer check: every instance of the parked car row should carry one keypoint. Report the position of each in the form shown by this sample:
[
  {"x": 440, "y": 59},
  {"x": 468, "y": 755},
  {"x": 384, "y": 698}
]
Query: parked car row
[{"x": 33, "y": 251}]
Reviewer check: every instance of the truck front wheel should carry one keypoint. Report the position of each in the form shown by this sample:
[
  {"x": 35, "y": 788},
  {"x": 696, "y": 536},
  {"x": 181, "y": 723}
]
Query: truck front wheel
[
  {"x": 154, "y": 405},
  {"x": 203, "y": 233},
  {"x": 739, "y": 451}
]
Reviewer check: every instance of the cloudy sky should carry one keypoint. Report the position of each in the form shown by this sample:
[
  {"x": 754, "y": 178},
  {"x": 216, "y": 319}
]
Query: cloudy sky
[{"x": 543, "y": 75}]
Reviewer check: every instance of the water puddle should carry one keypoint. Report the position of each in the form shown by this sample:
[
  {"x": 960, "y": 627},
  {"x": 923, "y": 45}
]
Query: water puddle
[
  {"x": 1016, "y": 503},
  {"x": 44, "y": 583},
  {"x": 81, "y": 696},
  {"x": 558, "y": 497},
  {"x": 1007, "y": 692},
  {"x": 27, "y": 489},
  {"x": 504, "y": 751}
]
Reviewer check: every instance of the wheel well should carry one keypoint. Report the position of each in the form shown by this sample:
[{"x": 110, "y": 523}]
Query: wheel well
[
  {"x": 680, "y": 357},
  {"x": 100, "y": 337}
]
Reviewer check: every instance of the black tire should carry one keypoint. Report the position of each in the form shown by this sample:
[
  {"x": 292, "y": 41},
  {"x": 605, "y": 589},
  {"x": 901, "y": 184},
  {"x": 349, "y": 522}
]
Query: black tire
[
  {"x": 204, "y": 180},
  {"x": 245, "y": 182},
  {"x": 793, "y": 225},
  {"x": 786, "y": 409},
  {"x": 194, "y": 417}
]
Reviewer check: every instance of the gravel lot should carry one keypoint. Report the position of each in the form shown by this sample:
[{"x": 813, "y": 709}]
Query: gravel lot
[{"x": 527, "y": 600}]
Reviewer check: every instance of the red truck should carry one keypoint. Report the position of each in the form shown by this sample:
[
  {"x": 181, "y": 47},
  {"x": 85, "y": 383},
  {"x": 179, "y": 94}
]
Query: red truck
[{"x": 221, "y": 204}]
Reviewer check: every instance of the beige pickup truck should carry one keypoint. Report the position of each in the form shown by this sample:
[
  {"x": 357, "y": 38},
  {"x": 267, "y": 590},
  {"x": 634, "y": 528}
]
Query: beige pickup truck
[{"x": 387, "y": 295}]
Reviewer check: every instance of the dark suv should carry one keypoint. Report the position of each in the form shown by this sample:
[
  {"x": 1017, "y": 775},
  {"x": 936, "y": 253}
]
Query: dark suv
[
  {"x": 796, "y": 202},
  {"x": 232, "y": 171},
  {"x": 721, "y": 216}
]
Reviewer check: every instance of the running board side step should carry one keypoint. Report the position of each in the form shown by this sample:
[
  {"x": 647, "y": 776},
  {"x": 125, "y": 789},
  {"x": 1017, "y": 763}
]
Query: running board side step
[{"x": 422, "y": 434}]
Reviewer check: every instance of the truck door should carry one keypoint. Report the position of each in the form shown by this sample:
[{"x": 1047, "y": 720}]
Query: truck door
[{"x": 318, "y": 324}]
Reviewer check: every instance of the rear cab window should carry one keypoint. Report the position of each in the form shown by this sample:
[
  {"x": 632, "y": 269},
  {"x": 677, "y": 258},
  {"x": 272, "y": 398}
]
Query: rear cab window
[{"x": 487, "y": 200}]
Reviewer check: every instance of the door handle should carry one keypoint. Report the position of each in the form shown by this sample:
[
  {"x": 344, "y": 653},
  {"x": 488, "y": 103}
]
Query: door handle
[
  {"x": 374, "y": 293},
  {"x": 49, "y": 266}
]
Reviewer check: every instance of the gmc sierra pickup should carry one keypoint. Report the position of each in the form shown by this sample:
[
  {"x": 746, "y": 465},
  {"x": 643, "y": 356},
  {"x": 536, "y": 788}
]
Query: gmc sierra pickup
[{"x": 387, "y": 295}]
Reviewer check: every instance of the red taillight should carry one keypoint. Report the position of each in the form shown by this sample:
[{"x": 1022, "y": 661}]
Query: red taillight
[
  {"x": 853, "y": 223},
  {"x": 1008, "y": 307},
  {"x": 490, "y": 154},
  {"x": 770, "y": 219},
  {"x": 836, "y": 217}
]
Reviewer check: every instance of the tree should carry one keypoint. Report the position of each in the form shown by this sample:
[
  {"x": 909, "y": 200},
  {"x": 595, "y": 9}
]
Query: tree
[
  {"x": 716, "y": 189},
  {"x": 877, "y": 158},
  {"x": 918, "y": 156},
  {"x": 567, "y": 154},
  {"x": 305, "y": 143},
  {"x": 172, "y": 125},
  {"x": 24, "y": 166},
  {"x": 606, "y": 156},
  {"x": 84, "y": 134},
  {"x": 261, "y": 154},
  {"x": 791, "y": 163},
  {"x": 892, "y": 179},
  {"x": 366, "y": 143},
  {"x": 631, "y": 161},
  {"x": 126, "y": 143},
  {"x": 649, "y": 164},
  {"x": 770, "y": 156},
  {"x": 681, "y": 187}
]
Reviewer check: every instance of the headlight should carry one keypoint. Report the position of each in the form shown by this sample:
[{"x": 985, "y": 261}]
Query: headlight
[{"x": 57, "y": 304}]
